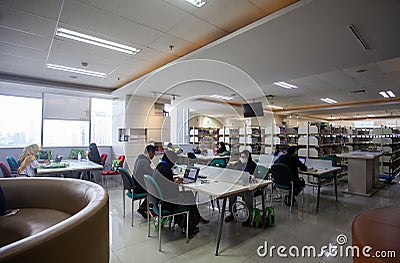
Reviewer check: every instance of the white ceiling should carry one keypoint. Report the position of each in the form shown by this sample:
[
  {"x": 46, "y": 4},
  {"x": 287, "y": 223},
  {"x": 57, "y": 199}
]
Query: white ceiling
[{"x": 307, "y": 44}]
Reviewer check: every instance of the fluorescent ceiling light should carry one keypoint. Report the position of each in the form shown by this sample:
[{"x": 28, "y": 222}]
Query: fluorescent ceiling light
[
  {"x": 62, "y": 32},
  {"x": 77, "y": 70},
  {"x": 390, "y": 93},
  {"x": 285, "y": 85},
  {"x": 383, "y": 94},
  {"x": 328, "y": 100},
  {"x": 370, "y": 115},
  {"x": 198, "y": 3},
  {"x": 221, "y": 97},
  {"x": 275, "y": 107},
  {"x": 387, "y": 94}
]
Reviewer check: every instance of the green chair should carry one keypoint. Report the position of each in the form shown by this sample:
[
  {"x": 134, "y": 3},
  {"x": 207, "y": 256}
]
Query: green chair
[
  {"x": 218, "y": 162},
  {"x": 128, "y": 186},
  {"x": 13, "y": 164},
  {"x": 156, "y": 198},
  {"x": 282, "y": 176},
  {"x": 327, "y": 178},
  {"x": 262, "y": 173},
  {"x": 74, "y": 154}
]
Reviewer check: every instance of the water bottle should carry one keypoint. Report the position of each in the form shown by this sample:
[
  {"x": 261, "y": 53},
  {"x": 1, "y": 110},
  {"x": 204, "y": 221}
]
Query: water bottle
[{"x": 79, "y": 156}]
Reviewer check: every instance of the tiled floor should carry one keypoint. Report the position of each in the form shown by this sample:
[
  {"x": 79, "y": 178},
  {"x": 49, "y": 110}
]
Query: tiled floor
[{"x": 239, "y": 244}]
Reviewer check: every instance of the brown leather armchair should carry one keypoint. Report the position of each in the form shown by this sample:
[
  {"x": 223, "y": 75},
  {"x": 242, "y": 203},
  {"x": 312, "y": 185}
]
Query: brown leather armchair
[{"x": 59, "y": 220}]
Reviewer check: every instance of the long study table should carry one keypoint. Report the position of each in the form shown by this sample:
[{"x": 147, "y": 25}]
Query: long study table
[{"x": 223, "y": 183}]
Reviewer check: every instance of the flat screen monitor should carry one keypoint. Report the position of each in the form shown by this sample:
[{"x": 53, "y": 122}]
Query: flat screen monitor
[{"x": 252, "y": 109}]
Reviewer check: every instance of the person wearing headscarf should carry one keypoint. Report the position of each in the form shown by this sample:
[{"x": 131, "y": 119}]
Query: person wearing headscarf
[
  {"x": 94, "y": 154},
  {"x": 28, "y": 161},
  {"x": 221, "y": 149},
  {"x": 246, "y": 164}
]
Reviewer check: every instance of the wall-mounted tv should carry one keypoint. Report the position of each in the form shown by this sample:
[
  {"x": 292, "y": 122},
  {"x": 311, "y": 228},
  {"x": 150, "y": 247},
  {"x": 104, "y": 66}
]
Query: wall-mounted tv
[{"x": 252, "y": 109}]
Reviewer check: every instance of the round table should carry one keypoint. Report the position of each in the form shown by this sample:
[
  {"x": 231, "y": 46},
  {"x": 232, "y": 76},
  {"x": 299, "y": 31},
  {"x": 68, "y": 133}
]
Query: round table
[{"x": 379, "y": 229}]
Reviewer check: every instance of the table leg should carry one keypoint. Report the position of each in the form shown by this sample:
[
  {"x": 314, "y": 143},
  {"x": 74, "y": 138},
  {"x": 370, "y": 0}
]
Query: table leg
[
  {"x": 319, "y": 191},
  {"x": 335, "y": 182},
  {"x": 221, "y": 222},
  {"x": 264, "y": 217}
]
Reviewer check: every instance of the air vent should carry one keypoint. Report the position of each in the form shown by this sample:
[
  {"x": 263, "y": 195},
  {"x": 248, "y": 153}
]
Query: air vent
[{"x": 363, "y": 91}]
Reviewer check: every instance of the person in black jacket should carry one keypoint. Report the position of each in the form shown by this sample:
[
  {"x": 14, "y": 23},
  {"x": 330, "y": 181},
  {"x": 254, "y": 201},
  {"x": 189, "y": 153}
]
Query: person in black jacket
[
  {"x": 174, "y": 198},
  {"x": 221, "y": 150},
  {"x": 246, "y": 164},
  {"x": 94, "y": 154},
  {"x": 292, "y": 161}
]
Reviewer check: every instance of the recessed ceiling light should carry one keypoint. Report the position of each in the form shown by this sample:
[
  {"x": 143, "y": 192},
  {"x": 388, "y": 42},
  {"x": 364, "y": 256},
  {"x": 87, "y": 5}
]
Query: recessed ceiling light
[
  {"x": 62, "y": 32},
  {"x": 387, "y": 94},
  {"x": 328, "y": 100},
  {"x": 370, "y": 115},
  {"x": 221, "y": 97},
  {"x": 285, "y": 85},
  {"x": 361, "y": 71},
  {"x": 76, "y": 70},
  {"x": 198, "y": 3}
]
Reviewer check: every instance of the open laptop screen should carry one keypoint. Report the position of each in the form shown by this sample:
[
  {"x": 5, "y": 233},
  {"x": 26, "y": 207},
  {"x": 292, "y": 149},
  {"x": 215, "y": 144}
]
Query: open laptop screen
[{"x": 302, "y": 160}]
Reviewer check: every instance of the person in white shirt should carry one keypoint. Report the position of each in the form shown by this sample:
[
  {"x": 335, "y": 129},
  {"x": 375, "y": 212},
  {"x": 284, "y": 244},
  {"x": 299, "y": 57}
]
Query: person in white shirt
[{"x": 28, "y": 161}]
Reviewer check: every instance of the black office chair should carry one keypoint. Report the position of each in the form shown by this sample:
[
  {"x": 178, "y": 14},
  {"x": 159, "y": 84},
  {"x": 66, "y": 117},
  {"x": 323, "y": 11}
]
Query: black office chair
[{"x": 282, "y": 176}]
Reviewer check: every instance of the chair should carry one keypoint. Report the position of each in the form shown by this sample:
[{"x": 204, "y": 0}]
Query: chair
[
  {"x": 155, "y": 197},
  {"x": 13, "y": 164},
  {"x": 103, "y": 158},
  {"x": 327, "y": 178},
  {"x": 262, "y": 173},
  {"x": 113, "y": 170},
  {"x": 218, "y": 162},
  {"x": 4, "y": 170},
  {"x": 281, "y": 174},
  {"x": 128, "y": 186}
]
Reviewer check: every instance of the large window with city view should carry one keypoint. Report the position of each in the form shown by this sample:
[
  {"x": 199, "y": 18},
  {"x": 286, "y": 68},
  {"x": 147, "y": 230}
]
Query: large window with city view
[
  {"x": 101, "y": 121},
  {"x": 67, "y": 121},
  {"x": 20, "y": 120}
]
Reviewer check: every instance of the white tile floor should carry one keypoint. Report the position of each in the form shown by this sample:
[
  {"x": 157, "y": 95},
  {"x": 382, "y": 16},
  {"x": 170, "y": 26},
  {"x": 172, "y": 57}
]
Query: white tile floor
[{"x": 239, "y": 244}]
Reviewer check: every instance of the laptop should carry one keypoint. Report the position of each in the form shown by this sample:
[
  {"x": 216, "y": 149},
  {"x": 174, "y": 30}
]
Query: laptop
[
  {"x": 190, "y": 175},
  {"x": 303, "y": 160}
]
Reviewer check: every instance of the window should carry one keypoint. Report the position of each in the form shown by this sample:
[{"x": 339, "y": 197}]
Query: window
[
  {"x": 65, "y": 133},
  {"x": 20, "y": 121},
  {"x": 101, "y": 121},
  {"x": 65, "y": 120}
]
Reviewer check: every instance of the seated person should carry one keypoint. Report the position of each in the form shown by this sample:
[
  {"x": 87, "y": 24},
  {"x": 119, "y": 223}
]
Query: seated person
[
  {"x": 221, "y": 149},
  {"x": 277, "y": 152},
  {"x": 245, "y": 164},
  {"x": 29, "y": 164},
  {"x": 94, "y": 154},
  {"x": 141, "y": 167},
  {"x": 293, "y": 162},
  {"x": 185, "y": 198}
]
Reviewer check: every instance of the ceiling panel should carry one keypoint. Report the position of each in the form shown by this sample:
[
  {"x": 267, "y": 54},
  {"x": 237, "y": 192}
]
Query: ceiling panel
[
  {"x": 361, "y": 71},
  {"x": 244, "y": 11},
  {"x": 36, "y": 7},
  {"x": 24, "y": 39},
  {"x": 22, "y": 67},
  {"x": 180, "y": 47},
  {"x": 195, "y": 30},
  {"x": 270, "y": 6},
  {"x": 106, "y": 25},
  {"x": 339, "y": 81},
  {"x": 144, "y": 12},
  {"x": 26, "y": 22},
  {"x": 390, "y": 65},
  {"x": 20, "y": 51}
]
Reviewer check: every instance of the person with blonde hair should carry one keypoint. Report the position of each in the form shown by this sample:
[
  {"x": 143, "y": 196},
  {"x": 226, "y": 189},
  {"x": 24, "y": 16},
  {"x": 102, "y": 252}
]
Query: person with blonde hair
[{"x": 29, "y": 164}]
